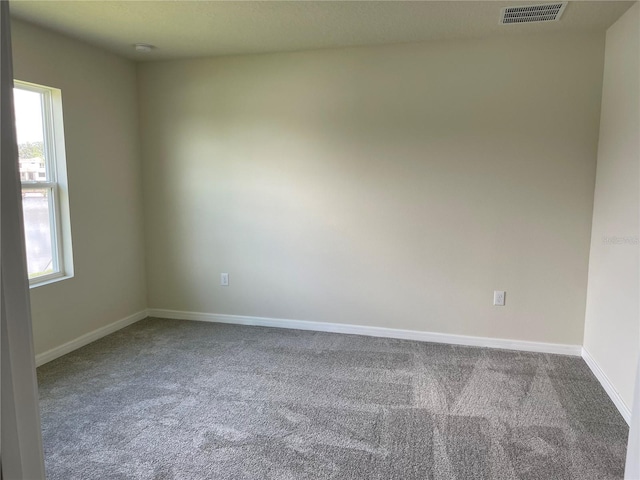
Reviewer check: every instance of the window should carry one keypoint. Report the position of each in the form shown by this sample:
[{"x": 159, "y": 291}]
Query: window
[{"x": 41, "y": 155}]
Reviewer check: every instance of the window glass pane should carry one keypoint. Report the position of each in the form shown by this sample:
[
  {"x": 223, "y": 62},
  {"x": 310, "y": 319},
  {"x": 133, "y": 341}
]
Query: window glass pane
[
  {"x": 37, "y": 228},
  {"x": 30, "y": 132}
]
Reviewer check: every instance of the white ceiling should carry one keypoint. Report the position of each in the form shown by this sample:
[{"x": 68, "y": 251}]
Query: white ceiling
[{"x": 203, "y": 28}]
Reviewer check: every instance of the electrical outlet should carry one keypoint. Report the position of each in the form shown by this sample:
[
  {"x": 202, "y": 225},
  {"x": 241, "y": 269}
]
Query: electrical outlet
[
  {"x": 498, "y": 298},
  {"x": 224, "y": 279}
]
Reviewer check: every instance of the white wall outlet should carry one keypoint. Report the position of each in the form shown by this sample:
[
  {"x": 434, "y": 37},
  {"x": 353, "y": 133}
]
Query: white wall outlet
[
  {"x": 498, "y": 298},
  {"x": 224, "y": 279}
]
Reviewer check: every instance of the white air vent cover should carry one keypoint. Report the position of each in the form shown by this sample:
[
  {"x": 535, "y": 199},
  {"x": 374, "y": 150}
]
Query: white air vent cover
[{"x": 549, "y": 12}]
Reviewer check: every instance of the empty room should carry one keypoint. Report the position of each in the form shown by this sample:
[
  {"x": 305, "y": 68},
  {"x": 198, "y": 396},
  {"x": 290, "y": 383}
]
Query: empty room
[{"x": 320, "y": 240}]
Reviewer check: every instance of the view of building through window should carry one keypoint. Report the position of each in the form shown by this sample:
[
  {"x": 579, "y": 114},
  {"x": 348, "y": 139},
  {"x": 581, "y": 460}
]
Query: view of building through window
[
  {"x": 38, "y": 184},
  {"x": 32, "y": 168}
]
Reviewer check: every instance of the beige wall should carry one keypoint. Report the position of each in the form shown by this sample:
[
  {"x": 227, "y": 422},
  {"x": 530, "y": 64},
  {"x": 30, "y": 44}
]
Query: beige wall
[
  {"x": 388, "y": 186},
  {"x": 102, "y": 145},
  {"x": 612, "y": 328}
]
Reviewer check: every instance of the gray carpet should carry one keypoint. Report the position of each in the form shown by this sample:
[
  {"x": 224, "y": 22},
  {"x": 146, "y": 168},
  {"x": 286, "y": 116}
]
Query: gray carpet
[{"x": 167, "y": 399}]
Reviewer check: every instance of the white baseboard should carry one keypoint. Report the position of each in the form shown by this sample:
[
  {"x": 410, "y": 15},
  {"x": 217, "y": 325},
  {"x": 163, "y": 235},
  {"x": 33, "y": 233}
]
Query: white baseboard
[
  {"x": 87, "y": 338},
  {"x": 617, "y": 400},
  {"x": 521, "y": 345}
]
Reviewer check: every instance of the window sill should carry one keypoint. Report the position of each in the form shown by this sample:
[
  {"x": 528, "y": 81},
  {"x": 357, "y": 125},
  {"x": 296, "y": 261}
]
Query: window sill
[{"x": 48, "y": 280}]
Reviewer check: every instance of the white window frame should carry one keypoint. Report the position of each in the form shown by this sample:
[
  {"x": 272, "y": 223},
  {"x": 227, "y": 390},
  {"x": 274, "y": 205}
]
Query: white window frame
[{"x": 56, "y": 183}]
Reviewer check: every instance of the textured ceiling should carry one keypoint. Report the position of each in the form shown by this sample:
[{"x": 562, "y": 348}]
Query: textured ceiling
[{"x": 203, "y": 28}]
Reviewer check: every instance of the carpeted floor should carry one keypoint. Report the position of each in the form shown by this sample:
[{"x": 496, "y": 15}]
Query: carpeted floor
[{"x": 167, "y": 399}]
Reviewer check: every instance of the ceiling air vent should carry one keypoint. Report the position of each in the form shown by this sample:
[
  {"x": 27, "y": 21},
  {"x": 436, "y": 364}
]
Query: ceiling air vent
[{"x": 549, "y": 12}]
